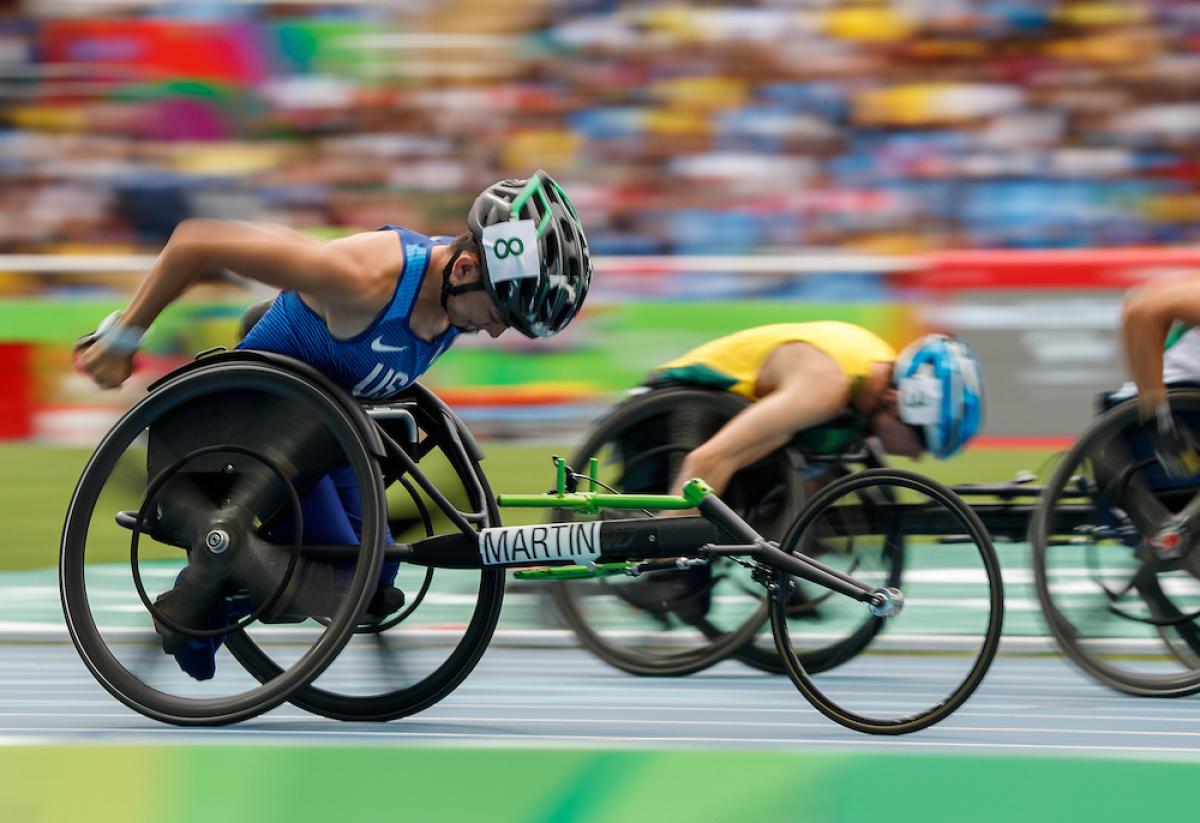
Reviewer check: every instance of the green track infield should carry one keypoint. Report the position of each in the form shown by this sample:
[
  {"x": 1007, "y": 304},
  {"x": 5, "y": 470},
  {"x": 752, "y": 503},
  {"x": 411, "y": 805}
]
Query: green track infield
[{"x": 200, "y": 784}]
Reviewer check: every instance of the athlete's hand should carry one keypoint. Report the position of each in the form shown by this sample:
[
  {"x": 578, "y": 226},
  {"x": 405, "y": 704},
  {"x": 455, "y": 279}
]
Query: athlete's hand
[
  {"x": 107, "y": 369},
  {"x": 106, "y": 355},
  {"x": 1174, "y": 445}
]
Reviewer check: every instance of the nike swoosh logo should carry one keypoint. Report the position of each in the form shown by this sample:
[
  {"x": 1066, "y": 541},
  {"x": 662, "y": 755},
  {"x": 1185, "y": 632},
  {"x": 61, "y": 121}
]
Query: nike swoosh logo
[{"x": 378, "y": 345}]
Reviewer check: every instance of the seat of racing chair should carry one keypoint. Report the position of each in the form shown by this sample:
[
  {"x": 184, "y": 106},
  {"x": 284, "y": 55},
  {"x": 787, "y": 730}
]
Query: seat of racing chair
[{"x": 251, "y": 316}]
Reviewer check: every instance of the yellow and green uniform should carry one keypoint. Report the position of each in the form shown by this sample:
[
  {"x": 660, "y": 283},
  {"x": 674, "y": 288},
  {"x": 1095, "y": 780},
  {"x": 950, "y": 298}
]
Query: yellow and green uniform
[{"x": 732, "y": 363}]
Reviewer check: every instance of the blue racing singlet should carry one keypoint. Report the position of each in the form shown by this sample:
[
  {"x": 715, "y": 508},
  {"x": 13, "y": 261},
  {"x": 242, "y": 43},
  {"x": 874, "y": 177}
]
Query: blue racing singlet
[{"x": 377, "y": 362}]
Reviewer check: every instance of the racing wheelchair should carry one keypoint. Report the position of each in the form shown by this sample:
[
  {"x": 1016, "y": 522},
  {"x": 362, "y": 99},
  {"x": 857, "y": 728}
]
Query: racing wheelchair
[
  {"x": 681, "y": 622},
  {"x": 1122, "y": 609},
  {"x": 1115, "y": 557},
  {"x": 199, "y": 488}
]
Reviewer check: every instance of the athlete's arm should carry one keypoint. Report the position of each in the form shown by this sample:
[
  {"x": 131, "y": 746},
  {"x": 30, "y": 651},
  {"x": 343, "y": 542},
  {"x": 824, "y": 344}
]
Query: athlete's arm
[
  {"x": 338, "y": 275},
  {"x": 1147, "y": 315},
  {"x": 337, "y": 272},
  {"x": 810, "y": 389}
]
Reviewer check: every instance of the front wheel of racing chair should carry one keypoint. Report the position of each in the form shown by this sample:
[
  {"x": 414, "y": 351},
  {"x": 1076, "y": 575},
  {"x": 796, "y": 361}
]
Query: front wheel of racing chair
[
  {"x": 186, "y": 530},
  {"x": 936, "y": 631},
  {"x": 680, "y": 622},
  {"x": 1117, "y": 576},
  {"x": 412, "y": 652}
]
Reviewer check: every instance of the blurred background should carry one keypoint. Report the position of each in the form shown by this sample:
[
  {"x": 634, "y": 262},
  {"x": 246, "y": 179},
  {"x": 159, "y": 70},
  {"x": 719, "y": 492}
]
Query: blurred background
[{"x": 1002, "y": 169}]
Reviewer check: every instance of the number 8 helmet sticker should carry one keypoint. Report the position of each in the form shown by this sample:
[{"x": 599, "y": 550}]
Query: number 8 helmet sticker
[
  {"x": 512, "y": 251},
  {"x": 509, "y": 245}
]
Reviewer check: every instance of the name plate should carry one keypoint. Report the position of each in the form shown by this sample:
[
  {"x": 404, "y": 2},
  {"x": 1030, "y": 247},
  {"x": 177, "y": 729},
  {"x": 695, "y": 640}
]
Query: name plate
[{"x": 578, "y": 543}]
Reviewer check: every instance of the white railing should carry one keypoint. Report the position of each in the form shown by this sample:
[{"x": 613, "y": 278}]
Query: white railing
[{"x": 800, "y": 263}]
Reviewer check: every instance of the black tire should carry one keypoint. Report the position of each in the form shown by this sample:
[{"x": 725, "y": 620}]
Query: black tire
[
  {"x": 920, "y": 675},
  {"x": 1117, "y": 611},
  {"x": 649, "y": 434},
  {"x": 671, "y": 421},
  {"x": 268, "y": 417},
  {"x": 407, "y": 677}
]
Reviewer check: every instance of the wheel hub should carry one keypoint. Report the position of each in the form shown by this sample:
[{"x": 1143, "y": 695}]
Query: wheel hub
[
  {"x": 886, "y": 602},
  {"x": 1171, "y": 543},
  {"x": 216, "y": 541}
]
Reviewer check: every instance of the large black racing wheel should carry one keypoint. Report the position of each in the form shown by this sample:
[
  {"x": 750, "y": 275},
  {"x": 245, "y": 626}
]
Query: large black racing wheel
[
  {"x": 1118, "y": 584},
  {"x": 422, "y": 636},
  {"x": 680, "y": 622},
  {"x": 186, "y": 530},
  {"x": 938, "y": 629}
]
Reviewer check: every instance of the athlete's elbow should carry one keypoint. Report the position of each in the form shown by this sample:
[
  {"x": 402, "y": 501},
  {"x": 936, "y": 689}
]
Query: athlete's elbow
[
  {"x": 1151, "y": 305},
  {"x": 1135, "y": 306},
  {"x": 186, "y": 245}
]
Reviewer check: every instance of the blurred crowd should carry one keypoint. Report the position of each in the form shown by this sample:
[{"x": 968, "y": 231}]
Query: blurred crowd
[{"x": 689, "y": 128}]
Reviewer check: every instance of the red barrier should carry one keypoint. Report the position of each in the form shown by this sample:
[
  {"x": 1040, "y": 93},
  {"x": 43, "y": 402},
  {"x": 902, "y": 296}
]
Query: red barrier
[
  {"x": 16, "y": 391},
  {"x": 1107, "y": 269}
]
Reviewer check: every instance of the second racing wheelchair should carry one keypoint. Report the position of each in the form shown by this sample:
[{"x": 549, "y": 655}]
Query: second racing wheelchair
[
  {"x": 681, "y": 621},
  {"x": 1115, "y": 566}
]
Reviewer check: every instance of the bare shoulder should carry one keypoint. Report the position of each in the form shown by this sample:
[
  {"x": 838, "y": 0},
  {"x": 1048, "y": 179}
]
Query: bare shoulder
[
  {"x": 378, "y": 258},
  {"x": 379, "y": 250},
  {"x": 801, "y": 366}
]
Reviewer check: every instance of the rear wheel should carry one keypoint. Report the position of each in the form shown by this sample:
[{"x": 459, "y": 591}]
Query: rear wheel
[
  {"x": 185, "y": 528},
  {"x": 405, "y": 656},
  {"x": 1122, "y": 610},
  {"x": 680, "y": 622}
]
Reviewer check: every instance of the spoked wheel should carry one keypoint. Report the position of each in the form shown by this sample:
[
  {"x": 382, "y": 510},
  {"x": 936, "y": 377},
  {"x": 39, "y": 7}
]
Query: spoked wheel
[
  {"x": 186, "y": 529},
  {"x": 411, "y": 650},
  {"x": 929, "y": 656},
  {"x": 676, "y": 622},
  {"x": 1121, "y": 606}
]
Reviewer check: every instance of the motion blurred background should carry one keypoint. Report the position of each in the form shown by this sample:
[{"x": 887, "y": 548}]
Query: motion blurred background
[{"x": 1001, "y": 169}]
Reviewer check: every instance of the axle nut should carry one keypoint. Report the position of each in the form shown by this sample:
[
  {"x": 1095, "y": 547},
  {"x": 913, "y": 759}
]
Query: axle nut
[{"x": 217, "y": 541}]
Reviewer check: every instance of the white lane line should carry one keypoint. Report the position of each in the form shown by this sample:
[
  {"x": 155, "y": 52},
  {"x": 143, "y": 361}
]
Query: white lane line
[
  {"x": 438, "y": 713},
  {"x": 621, "y": 725},
  {"x": 865, "y": 741},
  {"x": 502, "y": 704},
  {"x": 1016, "y": 711}
]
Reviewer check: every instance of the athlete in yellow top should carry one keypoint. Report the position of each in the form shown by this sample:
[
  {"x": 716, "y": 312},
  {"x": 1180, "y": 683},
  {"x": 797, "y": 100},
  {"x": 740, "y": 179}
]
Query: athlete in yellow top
[{"x": 929, "y": 398}]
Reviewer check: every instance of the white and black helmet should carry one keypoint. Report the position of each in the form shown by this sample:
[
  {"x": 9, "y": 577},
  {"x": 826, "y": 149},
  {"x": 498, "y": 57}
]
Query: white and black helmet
[{"x": 535, "y": 259}]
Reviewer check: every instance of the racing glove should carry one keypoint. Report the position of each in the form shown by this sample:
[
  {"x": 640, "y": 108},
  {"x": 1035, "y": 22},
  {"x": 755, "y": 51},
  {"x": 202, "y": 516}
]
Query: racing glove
[{"x": 1174, "y": 446}]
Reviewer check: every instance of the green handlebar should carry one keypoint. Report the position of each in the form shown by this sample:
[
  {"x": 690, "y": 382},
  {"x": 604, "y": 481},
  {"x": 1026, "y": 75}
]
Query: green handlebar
[
  {"x": 595, "y": 501},
  {"x": 592, "y": 501}
]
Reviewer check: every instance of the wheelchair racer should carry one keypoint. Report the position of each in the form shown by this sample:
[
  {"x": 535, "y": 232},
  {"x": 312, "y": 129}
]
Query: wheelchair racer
[
  {"x": 927, "y": 399},
  {"x": 372, "y": 311},
  {"x": 1160, "y": 332}
]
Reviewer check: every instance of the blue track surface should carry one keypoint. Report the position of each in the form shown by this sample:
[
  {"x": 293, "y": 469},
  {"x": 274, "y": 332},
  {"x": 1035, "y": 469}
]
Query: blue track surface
[{"x": 562, "y": 697}]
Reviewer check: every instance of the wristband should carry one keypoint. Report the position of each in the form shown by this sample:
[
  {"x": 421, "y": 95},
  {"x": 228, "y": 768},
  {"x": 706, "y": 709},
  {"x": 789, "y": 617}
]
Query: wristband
[
  {"x": 1163, "y": 419},
  {"x": 119, "y": 339}
]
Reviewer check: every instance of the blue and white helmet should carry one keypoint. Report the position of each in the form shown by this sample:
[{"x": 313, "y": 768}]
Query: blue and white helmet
[{"x": 940, "y": 392}]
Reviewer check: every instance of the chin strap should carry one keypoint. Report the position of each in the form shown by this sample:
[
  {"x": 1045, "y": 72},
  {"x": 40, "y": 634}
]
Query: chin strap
[{"x": 449, "y": 291}]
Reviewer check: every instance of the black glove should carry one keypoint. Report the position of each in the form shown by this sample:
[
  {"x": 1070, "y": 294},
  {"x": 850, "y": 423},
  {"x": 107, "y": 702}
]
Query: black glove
[{"x": 1174, "y": 446}]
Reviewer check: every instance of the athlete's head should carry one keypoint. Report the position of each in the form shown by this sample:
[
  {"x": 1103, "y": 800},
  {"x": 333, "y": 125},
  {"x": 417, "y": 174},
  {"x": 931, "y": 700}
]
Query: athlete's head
[
  {"x": 938, "y": 397},
  {"x": 531, "y": 256}
]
